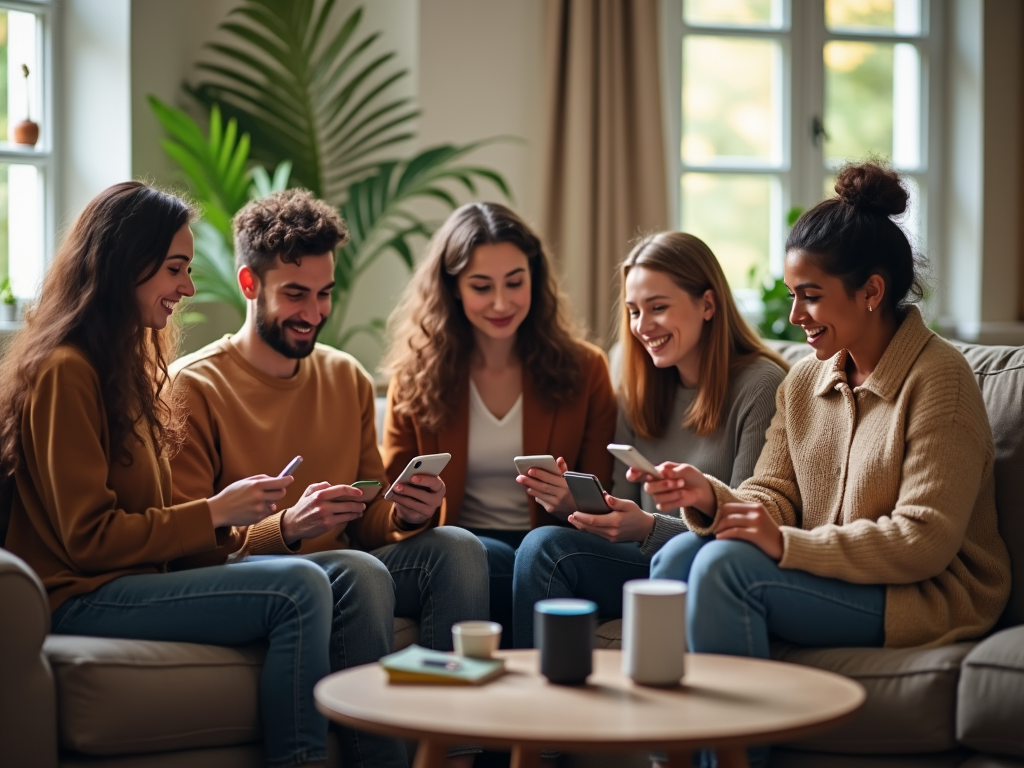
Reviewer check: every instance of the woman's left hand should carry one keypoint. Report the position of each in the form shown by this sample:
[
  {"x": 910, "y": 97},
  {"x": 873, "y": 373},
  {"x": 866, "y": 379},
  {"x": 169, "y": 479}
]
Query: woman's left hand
[
  {"x": 626, "y": 521},
  {"x": 750, "y": 522},
  {"x": 550, "y": 490}
]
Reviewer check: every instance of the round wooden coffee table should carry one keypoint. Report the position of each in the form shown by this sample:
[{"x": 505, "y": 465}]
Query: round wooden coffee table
[{"x": 725, "y": 703}]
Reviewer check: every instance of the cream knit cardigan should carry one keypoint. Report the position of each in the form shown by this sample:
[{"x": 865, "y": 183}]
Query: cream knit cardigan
[{"x": 888, "y": 483}]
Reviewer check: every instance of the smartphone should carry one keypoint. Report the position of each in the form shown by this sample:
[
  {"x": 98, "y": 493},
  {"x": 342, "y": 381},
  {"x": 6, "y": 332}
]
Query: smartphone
[
  {"x": 587, "y": 492},
  {"x": 370, "y": 489},
  {"x": 525, "y": 463},
  {"x": 631, "y": 457},
  {"x": 429, "y": 464},
  {"x": 292, "y": 466}
]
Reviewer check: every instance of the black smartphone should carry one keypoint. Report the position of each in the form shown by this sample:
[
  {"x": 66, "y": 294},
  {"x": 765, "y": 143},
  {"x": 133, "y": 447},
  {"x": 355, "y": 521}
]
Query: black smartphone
[{"x": 587, "y": 492}]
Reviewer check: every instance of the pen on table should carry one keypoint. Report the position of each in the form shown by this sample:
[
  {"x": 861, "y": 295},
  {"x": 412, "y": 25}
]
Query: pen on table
[{"x": 443, "y": 663}]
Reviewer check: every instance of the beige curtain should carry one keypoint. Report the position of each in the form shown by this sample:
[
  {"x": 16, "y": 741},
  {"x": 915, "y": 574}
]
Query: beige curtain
[{"x": 605, "y": 169}]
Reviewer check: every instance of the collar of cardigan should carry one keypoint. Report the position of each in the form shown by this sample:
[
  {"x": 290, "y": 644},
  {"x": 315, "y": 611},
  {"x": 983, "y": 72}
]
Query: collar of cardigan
[{"x": 891, "y": 371}]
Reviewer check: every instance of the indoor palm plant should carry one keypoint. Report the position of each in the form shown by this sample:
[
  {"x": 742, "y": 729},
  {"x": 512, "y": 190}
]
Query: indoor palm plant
[{"x": 317, "y": 106}]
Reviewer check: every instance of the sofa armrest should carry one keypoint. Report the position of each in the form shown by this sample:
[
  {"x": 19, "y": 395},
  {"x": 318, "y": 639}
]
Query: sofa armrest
[{"x": 28, "y": 699}]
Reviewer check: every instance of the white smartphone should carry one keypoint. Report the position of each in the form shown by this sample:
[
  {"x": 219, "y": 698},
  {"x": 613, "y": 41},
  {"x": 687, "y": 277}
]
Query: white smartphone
[
  {"x": 541, "y": 461},
  {"x": 292, "y": 466},
  {"x": 430, "y": 464},
  {"x": 631, "y": 457}
]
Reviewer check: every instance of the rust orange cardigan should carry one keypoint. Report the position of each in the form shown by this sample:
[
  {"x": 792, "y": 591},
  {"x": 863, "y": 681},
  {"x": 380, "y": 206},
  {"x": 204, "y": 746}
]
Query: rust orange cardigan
[{"x": 579, "y": 431}]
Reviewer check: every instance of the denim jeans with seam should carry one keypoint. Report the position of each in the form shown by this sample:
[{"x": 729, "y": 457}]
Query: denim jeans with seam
[
  {"x": 284, "y": 601},
  {"x": 501, "y": 547},
  {"x": 438, "y": 578},
  {"x": 565, "y": 562},
  {"x": 739, "y": 598}
]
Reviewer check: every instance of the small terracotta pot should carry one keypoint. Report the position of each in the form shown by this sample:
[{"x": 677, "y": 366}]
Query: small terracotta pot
[{"x": 26, "y": 132}]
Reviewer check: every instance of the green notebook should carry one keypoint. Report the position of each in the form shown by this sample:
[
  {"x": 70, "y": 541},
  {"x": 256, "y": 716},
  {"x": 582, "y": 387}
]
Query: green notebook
[{"x": 422, "y": 665}]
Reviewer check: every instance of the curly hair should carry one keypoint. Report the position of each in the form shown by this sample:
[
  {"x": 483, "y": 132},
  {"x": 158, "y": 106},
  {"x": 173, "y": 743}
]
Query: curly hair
[
  {"x": 88, "y": 301},
  {"x": 290, "y": 224},
  {"x": 432, "y": 339},
  {"x": 854, "y": 236}
]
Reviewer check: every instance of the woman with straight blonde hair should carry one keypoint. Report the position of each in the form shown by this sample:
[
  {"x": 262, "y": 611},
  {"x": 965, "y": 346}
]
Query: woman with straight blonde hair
[{"x": 696, "y": 382}]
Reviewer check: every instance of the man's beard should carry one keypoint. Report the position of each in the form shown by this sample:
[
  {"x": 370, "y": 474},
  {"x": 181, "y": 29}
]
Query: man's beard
[{"x": 272, "y": 333}]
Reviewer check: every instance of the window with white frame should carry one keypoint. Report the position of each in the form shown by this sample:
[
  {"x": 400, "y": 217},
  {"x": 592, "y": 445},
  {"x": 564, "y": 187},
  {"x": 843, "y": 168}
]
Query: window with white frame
[
  {"x": 773, "y": 96},
  {"x": 26, "y": 143}
]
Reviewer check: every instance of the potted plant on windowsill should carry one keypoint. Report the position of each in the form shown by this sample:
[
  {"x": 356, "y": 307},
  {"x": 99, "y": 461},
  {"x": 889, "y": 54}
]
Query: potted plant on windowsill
[
  {"x": 26, "y": 132},
  {"x": 8, "y": 302}
]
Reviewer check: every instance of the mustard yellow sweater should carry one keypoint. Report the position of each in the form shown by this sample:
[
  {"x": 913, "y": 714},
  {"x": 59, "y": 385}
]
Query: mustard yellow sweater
[
  {"x": 888, "y": 483},
  {"x": 81, "y": 517}
]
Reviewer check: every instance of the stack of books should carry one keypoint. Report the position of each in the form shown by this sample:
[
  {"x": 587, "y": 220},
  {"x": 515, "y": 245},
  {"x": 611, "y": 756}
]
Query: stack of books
[{"x": 422, "y": 665}]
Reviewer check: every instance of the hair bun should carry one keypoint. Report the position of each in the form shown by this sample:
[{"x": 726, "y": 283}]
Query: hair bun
[{"x": 873, "y": 187}]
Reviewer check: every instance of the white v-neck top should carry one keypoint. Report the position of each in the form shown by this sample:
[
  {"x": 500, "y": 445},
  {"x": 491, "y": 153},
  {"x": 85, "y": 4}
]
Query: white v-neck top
[{"x": 493, "y": 497}]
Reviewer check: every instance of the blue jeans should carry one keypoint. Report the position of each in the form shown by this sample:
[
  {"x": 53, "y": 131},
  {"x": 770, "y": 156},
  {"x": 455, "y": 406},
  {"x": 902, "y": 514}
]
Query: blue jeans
[
  {"x": 738, "y": 598},
  {"x": 283, "y": 601},
  {"x": 438, "y": 578},
  {"x": 501, "y": 549},
  {"x": 564, "y": 562}
]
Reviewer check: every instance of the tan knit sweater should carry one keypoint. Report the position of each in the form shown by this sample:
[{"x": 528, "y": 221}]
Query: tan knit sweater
[{"x": 888, "y": 483}]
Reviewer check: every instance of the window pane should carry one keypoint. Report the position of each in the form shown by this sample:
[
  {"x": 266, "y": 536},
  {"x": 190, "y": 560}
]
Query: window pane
[
  {"x": 733, "y": 13},
  {"x": 732, "y": 100},
  {"x": 21, "y": 96},
  {"x": 872, "y": 102},
  {"x": 901, "y": 17},
  {"x": 734, "y": 215},
  {"x": 21, "y": 228}
]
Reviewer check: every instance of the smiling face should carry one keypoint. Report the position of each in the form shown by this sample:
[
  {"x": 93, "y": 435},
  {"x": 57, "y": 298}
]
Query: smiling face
[
  {"x": 832, "y": 318},
  {"x": 494, "y": 289},
  {"x": 293, "y": 302},
  {"x": 667, "y": 320},
  {"x": 158, "y": 296}
]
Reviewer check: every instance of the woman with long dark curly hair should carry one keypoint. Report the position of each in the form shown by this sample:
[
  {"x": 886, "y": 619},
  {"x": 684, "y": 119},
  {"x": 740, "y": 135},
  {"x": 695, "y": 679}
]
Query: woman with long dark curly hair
[
  {"x": 87, "y": 422},
  {"x": 486, "y": 365}
]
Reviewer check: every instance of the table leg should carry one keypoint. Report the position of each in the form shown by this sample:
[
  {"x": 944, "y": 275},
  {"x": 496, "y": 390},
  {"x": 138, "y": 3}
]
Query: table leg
[
  {"x": 732, "y": 757},
  {"x": 430, "y": 754},
  {"x": 525, "y": 757}
]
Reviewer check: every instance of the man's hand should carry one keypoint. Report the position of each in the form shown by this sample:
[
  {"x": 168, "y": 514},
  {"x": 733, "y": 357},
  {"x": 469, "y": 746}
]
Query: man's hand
[
  {"x": 418, "y": 500},
  {"x": 750, "y": 522},
  {"x": 683, "y": 486},
  {"x": 550, "y": 490},
  {"x": 626, "y": 521},
  {"x": 322, "y": 507}
]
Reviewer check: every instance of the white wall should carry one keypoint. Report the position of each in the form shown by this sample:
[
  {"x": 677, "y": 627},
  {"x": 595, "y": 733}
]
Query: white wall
[{"x": 94, "y": 102}]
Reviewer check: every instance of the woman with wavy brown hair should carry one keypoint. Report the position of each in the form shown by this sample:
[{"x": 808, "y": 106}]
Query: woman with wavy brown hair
[
  {"x": 697, "y": 385},
  {"x": 486, "y": 366},
  {"x": 87, "y": 422}
]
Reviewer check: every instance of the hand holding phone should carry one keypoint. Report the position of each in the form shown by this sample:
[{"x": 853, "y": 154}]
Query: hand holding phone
[
  {"x": 370, "y": 489},
  {"x": 540, "y": 461},
  {"x": 631, "y": 457},
  {"x": 428, "y": 464}
]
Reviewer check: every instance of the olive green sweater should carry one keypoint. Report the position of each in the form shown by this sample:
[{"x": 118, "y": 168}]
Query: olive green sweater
[
  {"x": 82, "y": 517},
  {"x": 888, "y": 483}
]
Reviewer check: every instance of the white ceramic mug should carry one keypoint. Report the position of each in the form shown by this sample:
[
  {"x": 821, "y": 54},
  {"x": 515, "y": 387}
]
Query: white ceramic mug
[
  {"x": 654, "y": 631},
  {"x": 477, "y": 639}
]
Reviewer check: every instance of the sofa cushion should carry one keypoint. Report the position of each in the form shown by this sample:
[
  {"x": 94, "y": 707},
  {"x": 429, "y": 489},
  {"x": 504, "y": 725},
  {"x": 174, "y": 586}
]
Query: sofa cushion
[
  {"x": 1000, "y": 374},
  {"x": 911, "y": 694},
  {"x": 990, "y": 706},
  {"x": 121, "y": 696},
  {"x": 911, "y": 697},
  {"x": 133, "y": 696}
]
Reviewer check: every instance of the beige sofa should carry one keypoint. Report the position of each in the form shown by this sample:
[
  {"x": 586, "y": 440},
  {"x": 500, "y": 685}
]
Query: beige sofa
[{"x": 76, "y": 701}]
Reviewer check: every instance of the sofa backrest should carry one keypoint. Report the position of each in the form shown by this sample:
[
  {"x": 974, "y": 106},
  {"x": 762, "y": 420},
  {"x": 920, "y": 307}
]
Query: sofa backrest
[{"x": 1000, "y": 374}]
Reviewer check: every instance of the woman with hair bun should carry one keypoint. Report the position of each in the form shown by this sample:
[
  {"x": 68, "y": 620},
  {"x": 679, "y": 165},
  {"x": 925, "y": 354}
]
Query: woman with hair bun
[{"x": 870, "y": 518}]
